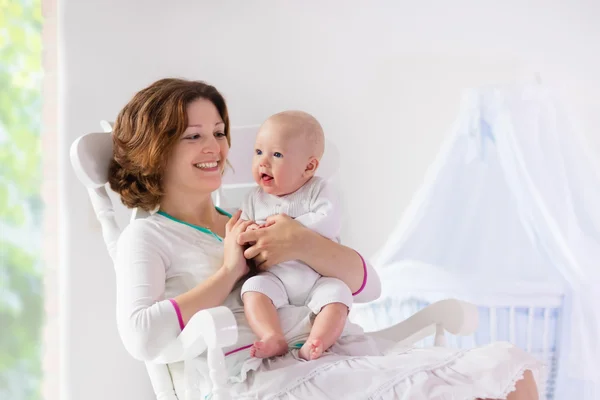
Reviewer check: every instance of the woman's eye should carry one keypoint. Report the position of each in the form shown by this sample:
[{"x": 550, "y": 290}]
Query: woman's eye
[
  {"x": 193, "y": 137},
  {"x": 220, "y": 134},
  {"x": 277, "y": 154},
  {"x": 258, "y": 152}
]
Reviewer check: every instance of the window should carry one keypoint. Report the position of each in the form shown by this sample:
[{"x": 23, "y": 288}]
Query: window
[{"x": 22, "y": 209}]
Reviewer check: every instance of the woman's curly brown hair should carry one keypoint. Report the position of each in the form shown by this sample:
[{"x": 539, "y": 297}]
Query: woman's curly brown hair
[{"x": 145, "y": 132}]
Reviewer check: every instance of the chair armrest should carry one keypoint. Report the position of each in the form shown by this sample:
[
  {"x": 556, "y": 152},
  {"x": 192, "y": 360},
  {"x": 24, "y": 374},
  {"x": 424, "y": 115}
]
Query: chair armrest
[
  {"x": 455, "y": 316},
  {"x": 213, "y": 328}
]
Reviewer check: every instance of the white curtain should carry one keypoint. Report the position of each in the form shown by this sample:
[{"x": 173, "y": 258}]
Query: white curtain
[{"x": 513, "y": 196}]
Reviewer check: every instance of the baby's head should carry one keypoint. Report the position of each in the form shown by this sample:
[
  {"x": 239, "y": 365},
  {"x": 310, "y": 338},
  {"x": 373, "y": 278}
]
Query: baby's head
[{"x": 288, "y": 149}]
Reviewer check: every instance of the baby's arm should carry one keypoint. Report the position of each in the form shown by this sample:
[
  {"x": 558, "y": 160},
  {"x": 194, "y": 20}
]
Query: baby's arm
[{"x": 324, "y": 216}]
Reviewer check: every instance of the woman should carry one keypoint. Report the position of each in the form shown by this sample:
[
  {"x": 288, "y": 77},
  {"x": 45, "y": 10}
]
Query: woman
[{"x": 171, "y": 143}]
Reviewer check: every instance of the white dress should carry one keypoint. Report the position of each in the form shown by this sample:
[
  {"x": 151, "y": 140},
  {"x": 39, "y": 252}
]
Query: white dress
[{"x": 159, "y": 258}]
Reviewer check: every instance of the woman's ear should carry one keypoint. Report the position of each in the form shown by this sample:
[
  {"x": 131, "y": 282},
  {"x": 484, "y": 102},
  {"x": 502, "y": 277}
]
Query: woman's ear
[{"x": 311, "y": 167}]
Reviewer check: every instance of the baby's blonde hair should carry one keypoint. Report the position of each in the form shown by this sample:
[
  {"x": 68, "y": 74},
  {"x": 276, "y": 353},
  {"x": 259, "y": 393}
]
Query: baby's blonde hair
[{"x": 302, "y": 123}]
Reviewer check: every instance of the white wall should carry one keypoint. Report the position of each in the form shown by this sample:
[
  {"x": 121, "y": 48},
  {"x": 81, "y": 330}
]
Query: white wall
[{"x": 383, "y": 78}]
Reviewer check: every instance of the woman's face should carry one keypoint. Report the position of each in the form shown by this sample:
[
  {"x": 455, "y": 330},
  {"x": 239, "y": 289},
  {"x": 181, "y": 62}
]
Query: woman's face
[{"x": 198, "y": 159}]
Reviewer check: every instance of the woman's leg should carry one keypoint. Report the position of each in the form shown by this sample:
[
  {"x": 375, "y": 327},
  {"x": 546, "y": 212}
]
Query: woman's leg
[{"x": 526, "y": 389}]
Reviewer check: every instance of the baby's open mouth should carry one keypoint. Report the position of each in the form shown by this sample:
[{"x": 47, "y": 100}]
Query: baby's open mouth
[{"x": 266, "y": 178}]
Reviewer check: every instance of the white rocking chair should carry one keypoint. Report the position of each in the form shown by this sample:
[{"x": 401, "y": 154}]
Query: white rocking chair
[{"x": 211, "y": 330}]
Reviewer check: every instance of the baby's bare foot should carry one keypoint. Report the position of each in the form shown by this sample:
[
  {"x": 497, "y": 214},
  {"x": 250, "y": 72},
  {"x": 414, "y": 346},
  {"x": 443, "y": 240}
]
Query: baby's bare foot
[
  {"x": 311, "y": 350},
  {"x": 269, "y": 347}
]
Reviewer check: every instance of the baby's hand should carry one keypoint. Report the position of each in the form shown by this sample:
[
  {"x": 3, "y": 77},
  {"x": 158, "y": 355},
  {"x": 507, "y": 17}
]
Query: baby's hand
[{"x": 252, "y": 227}]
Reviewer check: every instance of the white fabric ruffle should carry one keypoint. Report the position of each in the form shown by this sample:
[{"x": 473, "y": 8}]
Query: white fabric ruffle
[{"x": 396, "y": 373}]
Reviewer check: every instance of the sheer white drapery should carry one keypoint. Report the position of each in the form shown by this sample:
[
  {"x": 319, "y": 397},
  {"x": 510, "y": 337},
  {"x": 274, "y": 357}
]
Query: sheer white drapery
[{"x": 513, "y": 196}]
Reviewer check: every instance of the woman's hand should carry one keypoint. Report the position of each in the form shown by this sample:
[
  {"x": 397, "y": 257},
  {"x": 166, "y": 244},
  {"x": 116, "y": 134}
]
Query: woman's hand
[
  {"x": 282, "y": 239},
  {"x": 233, "y": 258},
  {"x": 278, "y": 240}
]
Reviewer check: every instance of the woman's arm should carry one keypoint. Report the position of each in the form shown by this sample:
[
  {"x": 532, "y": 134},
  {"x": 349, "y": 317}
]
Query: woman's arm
[
  {"x": 326, "y": 257},
  {"x": 148, "y": 323},
  {"x": 208, "y": 294},
  {"x": 285, "y": 239}
]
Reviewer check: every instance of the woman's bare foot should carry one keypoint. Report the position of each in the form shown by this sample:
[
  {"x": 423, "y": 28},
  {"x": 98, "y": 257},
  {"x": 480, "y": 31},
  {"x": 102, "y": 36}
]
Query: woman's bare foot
[
  {"x": 311, "y": 350},
  {"x": 269, "y": 347}
]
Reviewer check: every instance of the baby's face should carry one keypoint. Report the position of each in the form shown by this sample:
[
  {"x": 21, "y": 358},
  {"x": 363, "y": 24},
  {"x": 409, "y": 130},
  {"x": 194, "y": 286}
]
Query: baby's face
[{"x": 280, "y": 160}]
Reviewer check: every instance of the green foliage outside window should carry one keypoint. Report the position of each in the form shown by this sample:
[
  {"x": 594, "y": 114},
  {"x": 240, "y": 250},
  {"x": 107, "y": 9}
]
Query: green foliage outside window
[{"x": 21, "y": 274}]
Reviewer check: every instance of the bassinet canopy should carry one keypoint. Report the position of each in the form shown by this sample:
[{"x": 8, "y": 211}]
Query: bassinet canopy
[{"x": 513, "y": 197}]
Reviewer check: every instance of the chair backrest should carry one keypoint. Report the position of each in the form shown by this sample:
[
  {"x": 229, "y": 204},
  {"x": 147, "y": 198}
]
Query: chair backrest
[{"x": 90, "y": 157}]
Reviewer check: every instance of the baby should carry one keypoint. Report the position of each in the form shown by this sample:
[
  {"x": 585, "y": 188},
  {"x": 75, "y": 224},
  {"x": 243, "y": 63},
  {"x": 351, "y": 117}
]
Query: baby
[{"x": 288, "y": 149}]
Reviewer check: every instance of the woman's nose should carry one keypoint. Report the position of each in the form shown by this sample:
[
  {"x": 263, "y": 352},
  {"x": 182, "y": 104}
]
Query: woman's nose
[{"x": 212, "y": 146}]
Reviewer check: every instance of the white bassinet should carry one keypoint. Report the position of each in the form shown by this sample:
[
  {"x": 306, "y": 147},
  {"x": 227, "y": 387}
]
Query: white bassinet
[
  {"x": 526, "y": 314},
  {"x": 506, "y": 219}
]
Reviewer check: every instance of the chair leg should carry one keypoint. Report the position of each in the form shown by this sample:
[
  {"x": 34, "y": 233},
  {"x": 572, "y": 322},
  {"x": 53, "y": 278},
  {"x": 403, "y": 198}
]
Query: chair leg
[
  {"x": 440, "y": 336},
  {"x": 218, "y": 374}
]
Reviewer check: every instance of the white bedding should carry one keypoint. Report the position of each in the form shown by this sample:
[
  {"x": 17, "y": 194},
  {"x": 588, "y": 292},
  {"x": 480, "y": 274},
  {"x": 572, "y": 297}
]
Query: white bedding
[
  {"x": 361, "y": 367},
  {"x": 398, "y": 373}
]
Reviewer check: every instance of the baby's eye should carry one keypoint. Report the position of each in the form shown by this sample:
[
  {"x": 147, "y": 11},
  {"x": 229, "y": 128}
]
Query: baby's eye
[
  {"x": 277, "y": 154},
  {"x": 258, "y": 152}
]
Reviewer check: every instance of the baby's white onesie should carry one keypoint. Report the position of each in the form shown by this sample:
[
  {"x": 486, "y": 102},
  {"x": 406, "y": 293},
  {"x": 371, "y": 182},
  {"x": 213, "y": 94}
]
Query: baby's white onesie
[{"x": 293, "y": 282}]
